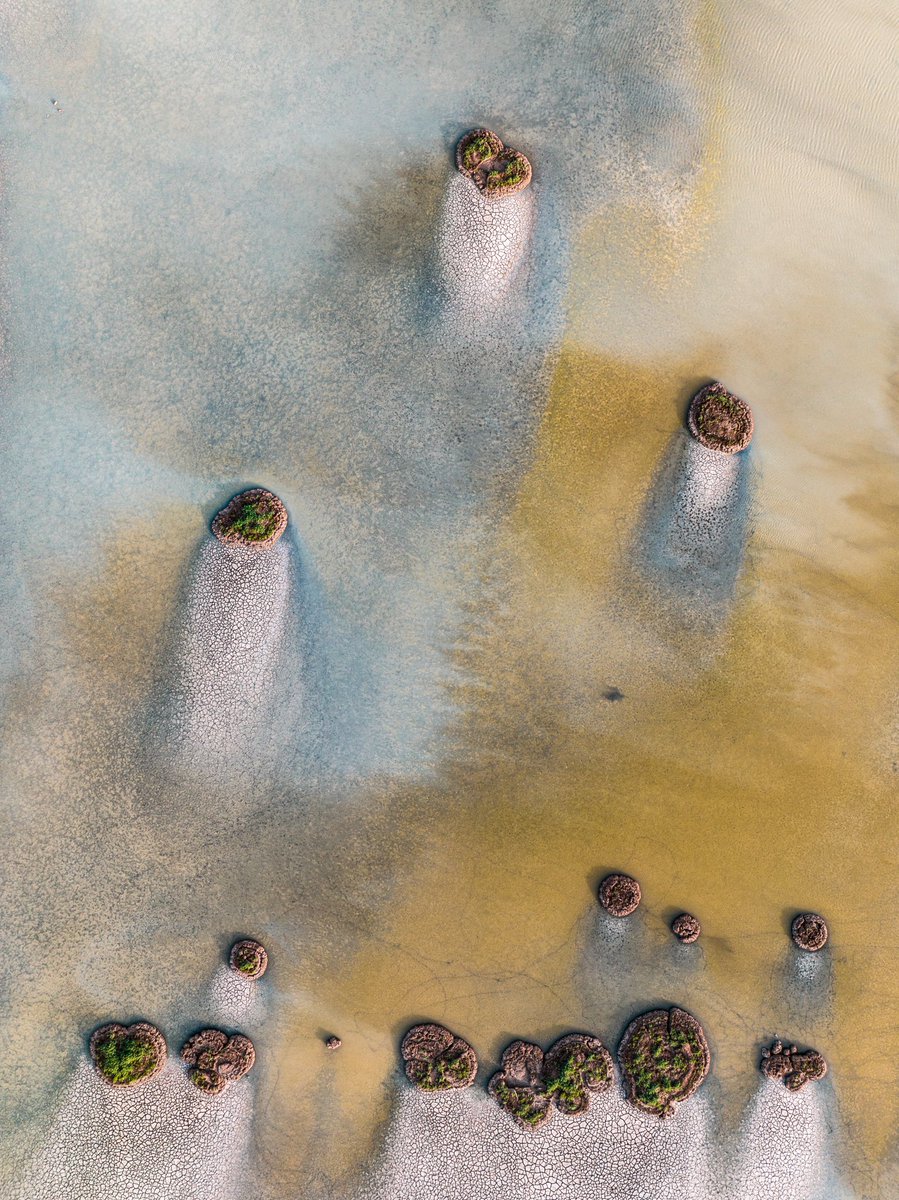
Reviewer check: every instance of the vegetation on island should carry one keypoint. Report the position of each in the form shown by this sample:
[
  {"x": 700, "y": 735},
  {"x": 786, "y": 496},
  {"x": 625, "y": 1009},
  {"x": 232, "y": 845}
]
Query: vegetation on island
[
  {"x": 719, "y": 420},
  {"x": 436, "y": 1060},
  {"x": 530, "y": 1083},
  {"x": 249, "y": 958},
  {"x": 255, "y": 518},
  {"x": 664, "y": 1058},
  {"x": 127, "y": 1055},
  {"x": 495, "y": 169}
]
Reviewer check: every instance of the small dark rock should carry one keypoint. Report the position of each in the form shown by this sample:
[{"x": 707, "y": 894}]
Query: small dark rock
[
  {"x": 333, "y": 1042},
  {"x": 686, "y": 928}
]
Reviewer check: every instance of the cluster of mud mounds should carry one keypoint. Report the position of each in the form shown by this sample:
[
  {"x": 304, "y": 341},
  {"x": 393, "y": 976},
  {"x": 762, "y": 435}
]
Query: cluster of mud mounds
[
  {"x": 495, "y": 169},
  {"x": 248, "y": 958},
  {"x": 794, "y": 1068},
  {"x": 530, "y": 1084},
  {"x": 620, "y": 895},
  {"x": 809, "y": 931},
  {"x": 719, "y": 420},
  {"x": 664, "y": 1057},
  {"x": 217, "y": 1060},
  {"x": 436, "y": 1060},
  {"x": 126, "y": 1055},
  {"x": 255, "y": 519}
]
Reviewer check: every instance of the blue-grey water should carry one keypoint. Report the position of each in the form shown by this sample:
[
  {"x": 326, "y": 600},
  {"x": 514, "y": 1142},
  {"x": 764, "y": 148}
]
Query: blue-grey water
[{"x": 235, "y": 252}]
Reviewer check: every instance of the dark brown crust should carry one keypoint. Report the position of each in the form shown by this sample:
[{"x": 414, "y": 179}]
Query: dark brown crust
[
  {"x": 686, "y": 928},
  {"x": 221, "y": 524},
  {"x": 809, "y": 931},
  {"x": 661, "y": 1023},
  {"x": 502, "y": 157},
  {"x": 619, "y": 894},
  {"x": 794, "y": 1068},
  {"x": 436, "y": 1060},
  {"x": 141, "y": 1029},
  {"x": 243, "y": 948},
  {"x": 217, "y": 1060},
  {"x": 719, "y": 420}
]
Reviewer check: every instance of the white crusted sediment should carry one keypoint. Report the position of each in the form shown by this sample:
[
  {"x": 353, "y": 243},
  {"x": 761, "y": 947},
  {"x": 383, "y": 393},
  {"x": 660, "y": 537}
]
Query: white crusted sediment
[
  {"x": 231, "y": 635},
  {"x": 164, "y": 1140},
  {"x": 480, "y": 245},
  {"x": 783, "y": 1147},
  {"x": 462, "y": 1146}
]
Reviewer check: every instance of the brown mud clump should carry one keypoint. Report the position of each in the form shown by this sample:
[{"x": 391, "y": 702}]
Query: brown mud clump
[
  {"x": 529, "y": 1082},
  {"x": 809, "y": 931},
  {"x": 495, "y": 169},
  {"x": 256, "y": 518},
  {"x": 217, "y": 1060},
  {"x": 686, "y": 928},
  {"x": 333, "y": 1042},
  {"x": 436, "y": 1060},
  {"x": 248, "y": 958},
  {"x": 619, "y": 895},
  {"x": 794, "y": 1068},
  {"x": 664, "y": 1058},
  {"x": 125, "y": 1055},
  {"x": 719, "y": 420}
]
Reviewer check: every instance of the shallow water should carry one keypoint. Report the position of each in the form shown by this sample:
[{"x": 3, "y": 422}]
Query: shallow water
[{"x": 225, "y": 252}]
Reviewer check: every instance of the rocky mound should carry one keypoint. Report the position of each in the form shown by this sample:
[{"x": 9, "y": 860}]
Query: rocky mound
[
  {"x": 529, "y": 1082},
  {"x": 809, "y": 931},
  {"x": 664, "y": 1058},
  {"x": 217, "y": 1060},
  {"x": 125, "y": 1055},
  {"x": 497, "y": 170},
  {"x": 436, "y": 1060},
  {"x": 794, "y": 1068},
  {"x": 248, "y": 958},
  {"x": 719, "y": 420},
  {"x": 686, "y": 928},
  {"x": 619, "y": 895},
  {"x": 256, "y": 518}
]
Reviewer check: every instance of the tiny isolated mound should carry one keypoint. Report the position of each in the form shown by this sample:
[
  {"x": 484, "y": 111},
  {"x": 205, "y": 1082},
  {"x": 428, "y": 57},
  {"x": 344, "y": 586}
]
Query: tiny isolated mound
[
  {"x": 217, "y": 1060},
  {"x": 530, "y": 1083},
  {"x": 794, "y": 1068},
  {"x": 125, "y": 1055},
  {"x": 495, "y": 169},
  {"x": 664, "y": 1058},
  {"x": 256, "y": 518},
  {"x": 809, "y": 931},
  {"x": 248, "y": 958},
  {"x": 436, "y": 1060},
  {"x": 619, "y": 895},
  {"x": 686, "y": 928},
  {"x": 719, "y": 420}
]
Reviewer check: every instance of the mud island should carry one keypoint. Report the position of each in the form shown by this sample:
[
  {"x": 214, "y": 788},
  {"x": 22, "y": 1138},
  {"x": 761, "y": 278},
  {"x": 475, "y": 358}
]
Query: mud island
[
  {"x": 619, "y": 895},
  {"x": 126, "y": 1055},
  {"x": 217, "y": 1060},
  {"x": 436, "y": 1060},
  {"x": 719, "y": 420},
  {"x": 794, "y": 1068},
  {"x": 495, "y": 169},
  {"x": 256, "y": 518},
  {"x": 529, "y": 1083},
  {"x": 664, "y": 1058},
  {"x": 686, "y": 928},
  {"x": 248, "y": 958},
  {"x": 809, "y": 931}
]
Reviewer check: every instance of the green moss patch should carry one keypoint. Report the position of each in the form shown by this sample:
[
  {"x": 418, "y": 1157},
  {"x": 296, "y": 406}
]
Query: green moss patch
[{"x": 664, "y": 1058}]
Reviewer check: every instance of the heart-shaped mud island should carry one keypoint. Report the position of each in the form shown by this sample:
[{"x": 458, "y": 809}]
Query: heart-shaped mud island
[
  {"x": 436, "y": 1060},
  {"x": 530, "y": 1082},
  {"x": 497, "y": 170},
  {"x": 126, "y": 1055},
  {"x": 217, "y": 1060},
  {"x": 664, "y": 1058}
]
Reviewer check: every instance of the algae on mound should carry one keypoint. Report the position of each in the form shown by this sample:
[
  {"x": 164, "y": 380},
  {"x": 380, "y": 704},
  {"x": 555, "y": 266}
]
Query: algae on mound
[
  {"x": 127, "y": 1055},
  {"x": 664, "y": 1058}
]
